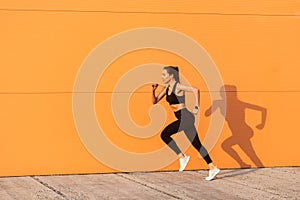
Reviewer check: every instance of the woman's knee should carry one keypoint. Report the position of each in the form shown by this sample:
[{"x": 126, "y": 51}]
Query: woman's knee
[{"x": 165, "y": 137}]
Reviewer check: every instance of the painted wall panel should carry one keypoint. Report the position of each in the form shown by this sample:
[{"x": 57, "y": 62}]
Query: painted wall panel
[{"x": 44, "y": 45}]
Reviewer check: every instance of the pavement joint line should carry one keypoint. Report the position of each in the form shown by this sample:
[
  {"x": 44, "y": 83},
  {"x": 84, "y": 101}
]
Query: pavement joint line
[
  {"x": 49, "y": 187},
  {"x": 148, "y": 186}
]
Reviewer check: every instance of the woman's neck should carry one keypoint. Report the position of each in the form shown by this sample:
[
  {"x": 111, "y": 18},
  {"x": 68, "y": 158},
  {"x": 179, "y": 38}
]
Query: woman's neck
[{"x": 172, "y": 83}]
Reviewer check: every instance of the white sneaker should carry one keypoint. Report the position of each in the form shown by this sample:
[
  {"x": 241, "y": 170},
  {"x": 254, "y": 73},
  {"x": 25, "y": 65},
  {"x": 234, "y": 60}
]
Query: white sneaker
[
  {"x": 183, "y": 162},
  {"x": 212, "y": 174}
]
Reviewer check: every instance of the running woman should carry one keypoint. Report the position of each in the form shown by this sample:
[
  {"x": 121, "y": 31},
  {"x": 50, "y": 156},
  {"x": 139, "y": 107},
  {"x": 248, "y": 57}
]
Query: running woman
[{"x": 175, "y": 96}]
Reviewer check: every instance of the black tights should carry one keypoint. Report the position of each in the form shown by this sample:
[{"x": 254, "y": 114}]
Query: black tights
[{"x": 184, "y": 123}]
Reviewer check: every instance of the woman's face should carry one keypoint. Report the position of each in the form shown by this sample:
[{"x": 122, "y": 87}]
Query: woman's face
[{"x": 166, "y": 77}]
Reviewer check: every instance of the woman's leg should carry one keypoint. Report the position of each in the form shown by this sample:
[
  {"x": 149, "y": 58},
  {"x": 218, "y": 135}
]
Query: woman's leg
[
  {"x": 166, "y": 134},
  {"x": 166, "y": 137},
  {"x": 194, "y": 139},
  {"x": 192, "y": 135},
  {"x": 187, "y": 125},
  {"x": 189, "y": 129}
]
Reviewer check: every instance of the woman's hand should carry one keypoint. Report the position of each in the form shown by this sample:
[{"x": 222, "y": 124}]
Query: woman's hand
[
  {"x": 196, "y": 110},
  {"x": 154, "y": 87},
  {"x": 155, "y": 98}
]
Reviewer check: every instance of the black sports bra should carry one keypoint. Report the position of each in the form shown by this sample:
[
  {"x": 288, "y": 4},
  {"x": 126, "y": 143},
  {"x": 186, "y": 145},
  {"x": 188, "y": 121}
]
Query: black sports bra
[{"x": 173, "y": 98}]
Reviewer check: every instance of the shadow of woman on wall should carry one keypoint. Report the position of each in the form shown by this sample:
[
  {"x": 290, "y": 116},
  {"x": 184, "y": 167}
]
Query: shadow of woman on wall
[{"x": 241, "y": 131}]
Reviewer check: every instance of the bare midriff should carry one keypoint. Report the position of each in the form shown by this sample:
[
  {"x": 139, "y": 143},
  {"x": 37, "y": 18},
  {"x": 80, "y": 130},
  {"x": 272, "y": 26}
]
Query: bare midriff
[{"x": 177, "y": 107}]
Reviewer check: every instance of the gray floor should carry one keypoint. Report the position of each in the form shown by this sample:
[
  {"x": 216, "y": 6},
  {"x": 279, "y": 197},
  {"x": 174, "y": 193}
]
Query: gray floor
[{"x": 263, "y": 183}]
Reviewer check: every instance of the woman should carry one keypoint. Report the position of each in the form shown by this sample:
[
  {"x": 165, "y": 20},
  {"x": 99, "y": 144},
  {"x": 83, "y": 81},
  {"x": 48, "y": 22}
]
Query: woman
[{"x": 175, "y": 96}]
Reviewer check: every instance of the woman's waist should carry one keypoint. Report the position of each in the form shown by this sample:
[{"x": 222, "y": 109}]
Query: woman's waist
[
  {"x": 183, "y": 113},
  {"x": 177, "y": 107}
]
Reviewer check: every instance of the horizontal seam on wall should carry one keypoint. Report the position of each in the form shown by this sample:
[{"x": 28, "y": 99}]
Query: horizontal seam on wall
[
  {"x": 125, "y": 92},
  {"x": 149, "y": 12}
]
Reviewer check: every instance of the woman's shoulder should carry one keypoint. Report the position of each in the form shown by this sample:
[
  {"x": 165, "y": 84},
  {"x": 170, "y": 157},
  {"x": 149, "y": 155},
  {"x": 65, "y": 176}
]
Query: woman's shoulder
[{"x": 181, "y": 86}]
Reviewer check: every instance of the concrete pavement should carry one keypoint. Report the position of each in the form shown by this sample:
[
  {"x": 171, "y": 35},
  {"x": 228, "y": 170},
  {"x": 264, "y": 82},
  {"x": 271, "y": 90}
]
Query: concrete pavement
[{"x": 262, "y": 183}]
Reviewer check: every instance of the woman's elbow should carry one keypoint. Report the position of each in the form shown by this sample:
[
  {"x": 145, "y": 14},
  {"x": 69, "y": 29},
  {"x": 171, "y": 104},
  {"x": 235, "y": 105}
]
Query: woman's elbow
[{"x": 196, "y": 90}]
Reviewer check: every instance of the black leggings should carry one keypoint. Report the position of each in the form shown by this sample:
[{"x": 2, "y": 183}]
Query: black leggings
[{"x": 184, "y": 123}]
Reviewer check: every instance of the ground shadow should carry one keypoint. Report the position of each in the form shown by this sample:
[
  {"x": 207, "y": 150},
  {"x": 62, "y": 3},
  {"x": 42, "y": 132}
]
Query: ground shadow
[
  {"x": 234, "y": 172},
  {"x": 241, "y": 131}
]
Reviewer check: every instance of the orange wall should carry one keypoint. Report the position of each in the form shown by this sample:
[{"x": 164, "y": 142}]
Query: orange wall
[{"x": 44, "y": 45}]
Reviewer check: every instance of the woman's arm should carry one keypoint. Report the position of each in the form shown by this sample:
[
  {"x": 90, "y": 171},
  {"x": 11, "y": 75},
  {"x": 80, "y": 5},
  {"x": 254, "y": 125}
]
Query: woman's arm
[
  {"x": 196, "y": 93},
  {"x": 161, "y": 94}
]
